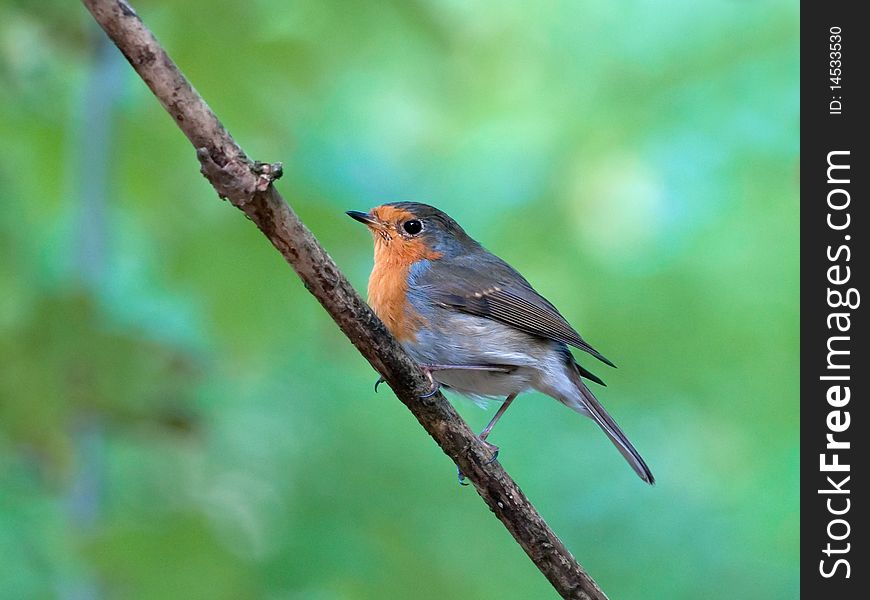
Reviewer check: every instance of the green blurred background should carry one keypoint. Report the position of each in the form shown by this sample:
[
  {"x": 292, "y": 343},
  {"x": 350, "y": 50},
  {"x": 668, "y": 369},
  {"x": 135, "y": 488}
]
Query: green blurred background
[{"x": 180, "y": 419}]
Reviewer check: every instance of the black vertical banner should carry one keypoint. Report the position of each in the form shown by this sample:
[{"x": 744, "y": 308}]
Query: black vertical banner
[{"x": 835, "y": 364}]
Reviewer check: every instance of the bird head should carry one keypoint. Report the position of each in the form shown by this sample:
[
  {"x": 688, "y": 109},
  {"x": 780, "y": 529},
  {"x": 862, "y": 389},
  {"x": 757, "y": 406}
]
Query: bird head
[{"x": 405, "y": 232}]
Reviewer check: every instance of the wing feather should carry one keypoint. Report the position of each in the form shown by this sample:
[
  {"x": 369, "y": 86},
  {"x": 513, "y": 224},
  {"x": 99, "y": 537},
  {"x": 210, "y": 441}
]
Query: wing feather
[{"x": 493, "y": 289}]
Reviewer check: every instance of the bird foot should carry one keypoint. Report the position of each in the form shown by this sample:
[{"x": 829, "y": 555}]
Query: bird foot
[
  {"x": 461, "y": 477},
  {"x": 492, "y": 448},
  {"x": 433, "y": 389},
  {"x": 434, "y": 386}
]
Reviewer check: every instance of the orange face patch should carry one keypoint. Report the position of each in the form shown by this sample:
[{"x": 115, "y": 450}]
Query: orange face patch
[
  {"x": 391, "y": 246},
  {"x": 391, "y": 214},
  {"x": 388, "y": 284}
]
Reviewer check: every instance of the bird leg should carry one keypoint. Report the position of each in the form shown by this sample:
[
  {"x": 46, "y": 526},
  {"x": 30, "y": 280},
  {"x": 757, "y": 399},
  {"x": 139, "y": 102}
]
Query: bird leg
[
  {"x": 429, "y": 369},
  {"x": 501, "y": 410},
  {"x": 435, "y": 386},
  {"x": 485, "y": 433}
]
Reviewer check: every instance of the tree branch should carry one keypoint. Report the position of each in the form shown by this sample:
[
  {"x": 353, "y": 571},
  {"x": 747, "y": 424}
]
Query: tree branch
[{"x": 248, "y": 185}]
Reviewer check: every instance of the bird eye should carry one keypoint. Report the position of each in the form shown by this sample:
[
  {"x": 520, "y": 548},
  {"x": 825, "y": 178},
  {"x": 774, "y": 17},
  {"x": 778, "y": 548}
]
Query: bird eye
[{"x": 412, "y": 227}]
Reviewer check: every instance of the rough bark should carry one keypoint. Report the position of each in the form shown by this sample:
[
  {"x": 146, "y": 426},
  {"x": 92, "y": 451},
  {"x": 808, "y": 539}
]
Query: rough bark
[{"x": 248, "y": 185}]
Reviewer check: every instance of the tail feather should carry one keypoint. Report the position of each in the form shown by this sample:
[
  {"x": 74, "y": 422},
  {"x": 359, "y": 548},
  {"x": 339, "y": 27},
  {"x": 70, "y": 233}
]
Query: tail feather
[
  {"x": 593, "y": 408},
  {"x": 589, "y": 375}
]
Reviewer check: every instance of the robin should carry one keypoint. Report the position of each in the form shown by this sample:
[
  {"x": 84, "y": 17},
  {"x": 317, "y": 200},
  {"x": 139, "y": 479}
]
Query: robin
[{"x": 473, "y": 323}]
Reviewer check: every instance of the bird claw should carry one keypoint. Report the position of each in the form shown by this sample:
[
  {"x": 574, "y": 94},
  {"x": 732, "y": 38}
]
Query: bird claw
[
  {"x": 491, "y": 447},
  {"x": 432, "y": 392},
  {"x": 429, "y": 369},
  {"x": 434, "y": 385},
  {"x": 461, "y": 477}
]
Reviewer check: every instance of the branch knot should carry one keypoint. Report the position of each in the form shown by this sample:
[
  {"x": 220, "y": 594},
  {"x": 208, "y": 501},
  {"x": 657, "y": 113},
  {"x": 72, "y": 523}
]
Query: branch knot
[
  {"x": 267, "y": 173},
  {"x": 238, "y": 178}
]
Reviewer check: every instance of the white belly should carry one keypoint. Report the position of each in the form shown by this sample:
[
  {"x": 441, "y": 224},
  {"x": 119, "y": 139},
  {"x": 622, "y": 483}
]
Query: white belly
[
  {"x": 486, "y": 384},
  {"x": 466, "y": 340}
]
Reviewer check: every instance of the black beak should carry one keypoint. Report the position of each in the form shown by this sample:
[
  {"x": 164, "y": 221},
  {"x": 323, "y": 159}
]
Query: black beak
[{"x": 362, "y": 217}]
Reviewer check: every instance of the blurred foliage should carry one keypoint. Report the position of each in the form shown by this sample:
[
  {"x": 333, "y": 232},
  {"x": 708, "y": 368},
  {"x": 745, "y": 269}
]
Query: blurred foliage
[{"x": 179, "y": 419}]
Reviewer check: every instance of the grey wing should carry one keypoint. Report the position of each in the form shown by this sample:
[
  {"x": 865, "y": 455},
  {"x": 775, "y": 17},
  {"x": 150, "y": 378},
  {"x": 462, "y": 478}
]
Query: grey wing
[{"x": 488, "y": 287}]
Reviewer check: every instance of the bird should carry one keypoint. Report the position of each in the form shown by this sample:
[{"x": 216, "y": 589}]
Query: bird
[{"x": 474, "y": 324}]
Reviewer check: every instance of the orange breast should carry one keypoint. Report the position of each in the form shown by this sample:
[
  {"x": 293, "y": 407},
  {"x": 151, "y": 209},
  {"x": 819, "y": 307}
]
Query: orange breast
[
  {"x": 388, "y": 296},
  {"x": 388, "y": 285}
]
